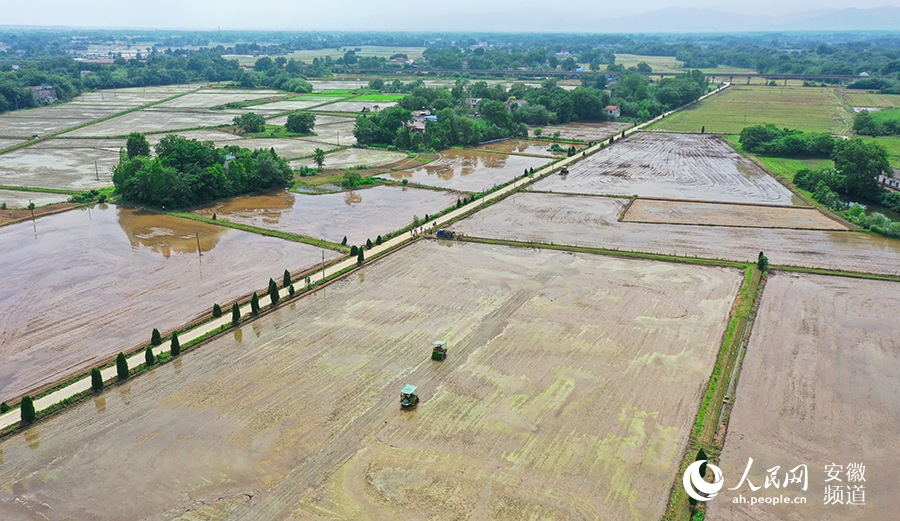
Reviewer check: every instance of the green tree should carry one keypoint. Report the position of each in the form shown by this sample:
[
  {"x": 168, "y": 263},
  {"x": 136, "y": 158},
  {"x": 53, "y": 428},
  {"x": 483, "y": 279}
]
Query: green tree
[
  {"x": 344, "y": 242},
  {"x": 235, "y": 314},
  {"x": 762, "y": 262},
  {"x": 859, "y": 163},
  {"x": 137, "y": 145},
  {"x": 122, "y": 367},
  {"x": 254, "y": 304},
  {"x": 250, "y": 123},
  {"x": 217, "y": 312},
  {"x": 319, "y": 158},
  {"x": 175, "y": 345},
  {"x": 155, "y": 338},
  {"x": 360, "y": 258},
  {"x": 4, "y": 408},
  {"x": 300, "y": 122},
  {"x": 291, "y": 290},
  {"x": 286, "y": 279},
  {"x": 273, "y": 292},
  {"x": 378, "y": 240},
  {"x": 96, "y": 380},
  {"x": 368, "y": 244},
  {"x": 149, "y": 359},
  {"x": 27, "y": 409},
  {"x": 354, "y": 250}
]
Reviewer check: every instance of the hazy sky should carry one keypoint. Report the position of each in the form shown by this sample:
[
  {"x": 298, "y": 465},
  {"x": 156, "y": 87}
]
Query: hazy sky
[{"x": 411, "y": 15}]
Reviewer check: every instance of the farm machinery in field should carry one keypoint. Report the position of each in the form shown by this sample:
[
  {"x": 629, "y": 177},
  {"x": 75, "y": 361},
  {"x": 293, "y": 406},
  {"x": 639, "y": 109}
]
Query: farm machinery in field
[{"x": 408, "y": 396}]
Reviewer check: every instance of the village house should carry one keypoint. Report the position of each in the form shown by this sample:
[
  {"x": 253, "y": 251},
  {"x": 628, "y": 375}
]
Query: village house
[{"x": 613, "y": 111}]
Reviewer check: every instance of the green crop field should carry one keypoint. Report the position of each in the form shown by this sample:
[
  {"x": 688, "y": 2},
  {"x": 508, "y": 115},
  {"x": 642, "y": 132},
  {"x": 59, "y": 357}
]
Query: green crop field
[
  {"x": 856, "y": 98},
  {"x": 788, "y": 168},
  {"x": 657, "y": 63},
  {"x": 804, "y": 108}
]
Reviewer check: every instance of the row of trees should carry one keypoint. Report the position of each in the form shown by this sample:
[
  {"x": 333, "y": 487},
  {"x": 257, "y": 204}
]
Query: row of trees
[
  {"x": 187, "y": 172},
  {"x": 884, "y": 122},
  {"x": 768, "y": 140}
]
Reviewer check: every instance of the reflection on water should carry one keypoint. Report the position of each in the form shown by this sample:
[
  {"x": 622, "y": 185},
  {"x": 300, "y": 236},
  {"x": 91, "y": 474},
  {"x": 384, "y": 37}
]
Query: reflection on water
[
  {"x": 352, "y": 197},
  {"x": 100, "y": 403},
  {"x": 454, "y": 169},
  {"x": 525, "y": 146},
  {"x": 32, "y": 437},
  {"x": 165, "y": 234}
]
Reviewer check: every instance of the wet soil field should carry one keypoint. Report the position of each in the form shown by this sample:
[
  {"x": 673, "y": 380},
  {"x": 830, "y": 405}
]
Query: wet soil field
[
  {"x": 80, "y": 286},
  {"x": 355, "y": 106},
  {"x": 674, "y": 166},
  {"x": 69, "y": 164},
  {"x": 717, "y": 214},
  {"x": 818, "y": 386},
  {"x": 524, "y": 146},
  {"x": 526, "y": 419},
  {"x": 351, "y": 157},
  {"x": 574, "y": 220},
  {"x": 19, "y": 199},
  {"x": 357, "y": 215},
  {"x": 587, "y": 131},
  {"x": 468, "y": 170},
  {"x": 156, "y": 119},
  {"x": 83, "y": 109}
]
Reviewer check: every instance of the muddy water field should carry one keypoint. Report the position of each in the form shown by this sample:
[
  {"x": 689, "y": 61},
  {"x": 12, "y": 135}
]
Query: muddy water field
[
  {"x": 80, "y": 286},
  {"x": 351, "y": 157},
  {"x": 586, "y": 131},
  {"x": 591, "y": 221},
  {"x": 818, "y": 387},
  {"x": 524, "y": 146},
  {"x": 468, "y": 170},
  {"x": 357, "y": 214},
  {"x": 526, "y": 418},
  {"x": 674, "y": 166},
  {"x": 20, "y": 199},
  {"x": 68, "y": 164},
  {"x": 718, "y": 214}
]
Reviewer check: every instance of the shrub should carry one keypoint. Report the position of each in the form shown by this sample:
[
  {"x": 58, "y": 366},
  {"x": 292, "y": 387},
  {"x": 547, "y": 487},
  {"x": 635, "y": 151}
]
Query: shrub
[
  {"x": 378, "y": 240},
  {"x": 4, "y": 408},
  {"x": 149, "y": 359},
  {"x": 405, "y": 182},
  {"x": 354, "y": 250},
  {"x": 217, "y": 311},
  {"x": 458, "y": 203},
  {"x": 176, "y": 345},
  {"x": 273, "y": 292},
  {"x": 344, "y": 242},
  {"x": 368, "y": 244},
  {"x": 360, "y": 258},
  {"x": 254, "y": 304},
  {"x": 27, "y": 409},
  {"x": 214, "y": 216},
  {"x": 286, "y": 280},
  {"x": 291, "y": 290},
  {"x": 97, "y": 379},
  {"x": 3, "y": 206},
  {"x": 426, "y": 218},
  {"x": 762, "y": 263},
  {"x": 155, "y": 339},
  {"x": 235, "y": 314},
  {"x": 122, "y": 367}
]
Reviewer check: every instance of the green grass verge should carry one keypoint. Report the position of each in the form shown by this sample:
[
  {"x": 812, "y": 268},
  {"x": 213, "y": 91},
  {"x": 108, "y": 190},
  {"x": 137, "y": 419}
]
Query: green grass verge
[{"x": 33, "y": 189}]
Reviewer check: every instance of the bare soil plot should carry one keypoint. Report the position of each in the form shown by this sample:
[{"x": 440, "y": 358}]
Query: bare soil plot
[
  {"x": 590, "y": 221},
  {"x": 336, "y": 133},
  {"x": 19, "y": 199},
  {"x": 356, "y": 106},
  {"x": 61, "y": 164},
  {"x": 526, "y": 419},
  {"x": 719, "y": 214},
  {"x": 156, "y": 120},
  {"x": 357, "y": 214},
  {"x": 351, "y": 157},
  {"x": 7, "y": 143},
  {"x": 285, "y": 106},
  {"x": 321, "y": 120},
  {"x": 817, "y": 386},
  {"x": 468, "y": 170},
  {"x": 524, "y": 146},
  {"x": 109, "y": 275},
  {"x": 676, "y": 166},
  {"x": 587, "y": 131}
]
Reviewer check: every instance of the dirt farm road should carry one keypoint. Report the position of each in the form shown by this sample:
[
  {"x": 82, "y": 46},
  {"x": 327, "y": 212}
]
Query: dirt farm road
[{"x": 84, "y": 384}]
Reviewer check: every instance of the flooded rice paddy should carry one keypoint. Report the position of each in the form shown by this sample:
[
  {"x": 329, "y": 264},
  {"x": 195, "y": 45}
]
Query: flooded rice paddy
[
  {"x": 468, "y": 170},
  {"x": 357, "y": 214},
  {"x": 299, "y": 409},
  {"x": 20, "y": 199},
  {"x": 720, "y": 214},
  {"x": 524, "y": 146},
  {"x": 591, "y": 221},
  {"x": 674, "y": 166},
  {"x": 352, "y": 157},
  {"x": 80, "y": 286}
]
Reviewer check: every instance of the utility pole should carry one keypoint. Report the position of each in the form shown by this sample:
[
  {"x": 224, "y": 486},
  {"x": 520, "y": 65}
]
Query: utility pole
[
  {"x": 97, "y": 170},
  {"x": 196, "y": 234},
  {"x": 323, "y": 265}
]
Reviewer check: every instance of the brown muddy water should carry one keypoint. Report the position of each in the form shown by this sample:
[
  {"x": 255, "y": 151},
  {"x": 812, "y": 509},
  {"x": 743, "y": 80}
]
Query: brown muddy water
[
  {"x": 80, "y": 286},
  {"x": 524, "y": 146},
  {"x": 468, "y": 170},
  {"x": 357, "y": 214}
]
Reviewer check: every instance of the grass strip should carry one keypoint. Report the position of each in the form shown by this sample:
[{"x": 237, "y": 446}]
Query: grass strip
[{"x": 34, "y": 189}]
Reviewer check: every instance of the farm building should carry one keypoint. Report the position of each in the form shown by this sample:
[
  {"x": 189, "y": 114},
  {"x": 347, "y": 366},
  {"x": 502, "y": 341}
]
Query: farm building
[{"x": 613, "y": 111}]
